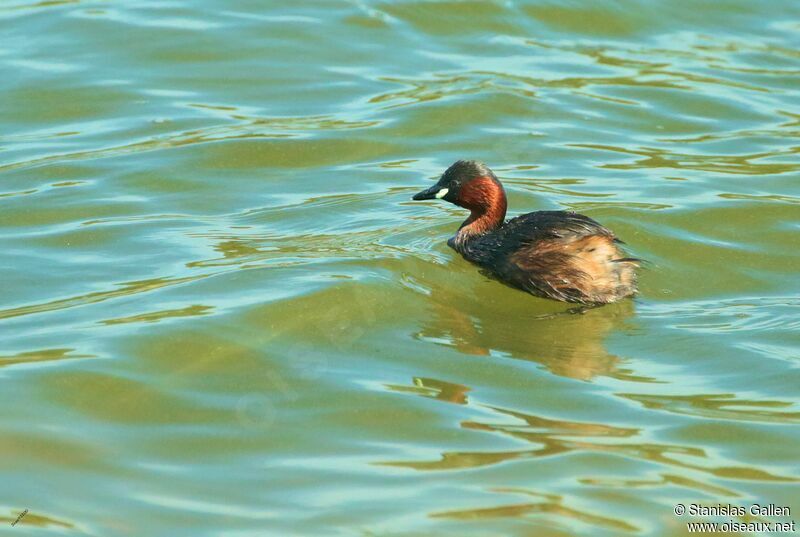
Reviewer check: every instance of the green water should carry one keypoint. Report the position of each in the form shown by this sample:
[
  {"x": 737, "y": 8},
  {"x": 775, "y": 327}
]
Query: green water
[{"x": 220, "y": 314}]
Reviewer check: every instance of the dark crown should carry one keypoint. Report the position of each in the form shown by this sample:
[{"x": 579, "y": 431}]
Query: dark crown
[{"x": 466, "y": 170}]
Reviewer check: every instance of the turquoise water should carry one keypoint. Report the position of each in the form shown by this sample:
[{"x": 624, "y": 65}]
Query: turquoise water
[{"x": 220, "y": 314}]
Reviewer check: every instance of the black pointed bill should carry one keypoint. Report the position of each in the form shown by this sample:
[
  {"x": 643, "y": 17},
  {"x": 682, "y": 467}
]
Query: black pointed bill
[{"x": 434, "y": 192}]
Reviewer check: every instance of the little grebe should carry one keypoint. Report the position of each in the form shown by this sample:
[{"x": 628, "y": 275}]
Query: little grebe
[{"x": 553, "y": 254}]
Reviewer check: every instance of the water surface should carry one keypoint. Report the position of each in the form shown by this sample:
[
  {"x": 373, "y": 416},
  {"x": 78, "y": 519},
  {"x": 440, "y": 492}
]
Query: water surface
[{"x": 220, "y": 314}]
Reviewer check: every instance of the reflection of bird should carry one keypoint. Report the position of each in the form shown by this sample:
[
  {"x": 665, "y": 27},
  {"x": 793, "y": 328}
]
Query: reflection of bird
[
  {"x": 569, "y": 343},
  {"x": 553, "y": 254}
]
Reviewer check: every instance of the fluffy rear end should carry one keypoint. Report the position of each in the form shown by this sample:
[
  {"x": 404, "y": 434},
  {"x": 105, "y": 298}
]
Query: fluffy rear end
[{"x": 590, "y": 269}]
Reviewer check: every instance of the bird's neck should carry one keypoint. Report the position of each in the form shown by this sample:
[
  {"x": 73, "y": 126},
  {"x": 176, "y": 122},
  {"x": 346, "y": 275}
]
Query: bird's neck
[{"x": 486, "y": 200}]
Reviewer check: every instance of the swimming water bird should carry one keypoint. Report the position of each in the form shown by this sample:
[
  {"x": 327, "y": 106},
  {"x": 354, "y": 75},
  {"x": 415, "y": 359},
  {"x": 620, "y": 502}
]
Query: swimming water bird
[{"x": 553, "y": 254}]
